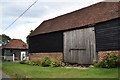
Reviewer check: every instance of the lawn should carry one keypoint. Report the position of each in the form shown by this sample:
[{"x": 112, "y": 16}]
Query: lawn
[{"x": 23, "y": 70}]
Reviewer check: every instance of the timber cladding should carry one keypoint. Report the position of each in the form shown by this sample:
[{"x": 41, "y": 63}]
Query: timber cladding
[
  {"x": 108, "y": 35},
  {"x": 52, "y": 42},
  {"x": 79, "y": 46},
  {"x": 57, "y": 56}
]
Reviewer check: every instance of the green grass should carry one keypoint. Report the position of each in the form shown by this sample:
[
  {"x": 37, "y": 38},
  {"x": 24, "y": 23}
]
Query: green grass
[
  {"x": 0, "y": 64},
  {"x": 22, "y": 71},
  {"x": 0, "y": 60}
]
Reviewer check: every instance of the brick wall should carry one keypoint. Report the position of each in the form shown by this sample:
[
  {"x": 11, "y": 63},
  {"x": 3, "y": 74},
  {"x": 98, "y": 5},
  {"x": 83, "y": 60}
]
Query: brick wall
[
  {"x": 57, "y": 56},
  {"x": 102, "y": 53}
]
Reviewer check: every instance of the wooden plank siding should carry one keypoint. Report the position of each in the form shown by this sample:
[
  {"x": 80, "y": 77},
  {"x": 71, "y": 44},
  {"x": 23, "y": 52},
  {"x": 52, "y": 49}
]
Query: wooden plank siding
[
  {"x": 108, "y": 35},
  {"x": 51, "y": 42},
  {"x": 79, "y": 46}
]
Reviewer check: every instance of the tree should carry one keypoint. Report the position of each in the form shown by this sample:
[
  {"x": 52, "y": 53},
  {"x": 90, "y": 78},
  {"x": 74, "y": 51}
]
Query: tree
[
  {"x": 4, "y": 39},
  {"x": 27, "y": 38}
]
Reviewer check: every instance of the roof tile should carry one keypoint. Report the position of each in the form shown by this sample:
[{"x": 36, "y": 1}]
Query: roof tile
[
  {"x": 16, "y": 44},
  {"x": 96, "y": 13}
]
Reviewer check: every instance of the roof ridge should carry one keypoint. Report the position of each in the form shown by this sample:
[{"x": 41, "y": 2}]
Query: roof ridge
[
  {"x": 16, "y": 44},
  {"x": 88, "y": 15}
]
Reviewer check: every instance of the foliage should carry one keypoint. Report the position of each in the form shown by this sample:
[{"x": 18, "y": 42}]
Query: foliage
[
  {"x": 4, "y": 39},
  {"x": 38, "y": 63},
  {"x": 23, "y": 62},
  {"x": 5, "y": 60},
  {"x": 57, "y": 64},
  {"x": 109, "y": 61},
  {"x": 46, "y": 62},
  {"x": 27, "y": 38}
]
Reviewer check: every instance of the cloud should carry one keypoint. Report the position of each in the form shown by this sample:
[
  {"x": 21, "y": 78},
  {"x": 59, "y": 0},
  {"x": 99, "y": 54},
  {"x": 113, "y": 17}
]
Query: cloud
[
  {"x": 15, "y": 7},
  {"x": 21, "y": 31},
  {"x": 1, "y": 14},
  {"x": 42, "y": 10},
  {"x": 111, "y": 0}
]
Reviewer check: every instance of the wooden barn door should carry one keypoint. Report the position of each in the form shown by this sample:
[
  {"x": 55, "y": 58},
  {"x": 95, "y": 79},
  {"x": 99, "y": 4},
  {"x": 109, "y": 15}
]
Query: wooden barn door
[{"x": 79, "y": 46}]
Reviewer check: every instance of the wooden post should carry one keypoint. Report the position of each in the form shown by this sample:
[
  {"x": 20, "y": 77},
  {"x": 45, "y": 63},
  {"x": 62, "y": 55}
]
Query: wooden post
[{"x": 13, "y": 57}]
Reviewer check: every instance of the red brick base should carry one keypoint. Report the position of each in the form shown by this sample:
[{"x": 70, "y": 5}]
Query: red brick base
[
  {"x": 58, "y": 56},
  {"x": 102, "y": 53}
]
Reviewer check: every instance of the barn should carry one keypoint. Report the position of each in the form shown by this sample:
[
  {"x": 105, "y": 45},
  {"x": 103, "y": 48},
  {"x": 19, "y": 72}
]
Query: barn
[{"x": 79, "y": 36}]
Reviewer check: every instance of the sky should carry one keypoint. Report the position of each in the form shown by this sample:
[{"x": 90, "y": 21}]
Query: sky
[{"x": 42, "y": 10}]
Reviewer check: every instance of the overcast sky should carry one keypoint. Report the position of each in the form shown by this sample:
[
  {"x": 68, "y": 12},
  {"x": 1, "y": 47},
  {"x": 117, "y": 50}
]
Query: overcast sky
[{"x": 42, "y": 10}]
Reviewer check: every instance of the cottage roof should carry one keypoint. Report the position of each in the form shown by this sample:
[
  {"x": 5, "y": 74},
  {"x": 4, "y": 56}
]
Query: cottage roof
[
  {"x": 96, "y": 13},
  {"x": 16, "y": 44}
]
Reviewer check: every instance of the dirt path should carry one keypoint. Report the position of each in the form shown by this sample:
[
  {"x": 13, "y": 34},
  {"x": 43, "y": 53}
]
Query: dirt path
[{"x": 3, "y": 75}]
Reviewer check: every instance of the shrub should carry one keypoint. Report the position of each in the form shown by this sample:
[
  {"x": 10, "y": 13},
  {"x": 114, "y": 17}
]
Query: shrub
[
  {"x": 109, "y": 61},
  {"x": 61, "y": 64},
  {"x": 23, "y": 62},
  {"x": 57, "y": 64},
  {"x": 54, "y": 64},
  {"x": 46, "y": 62},
  {"x": 31, "y": 63},
  {"x": 5, "y": 60},
  {"x": 38, "y": 63},
  {"x": 28, "y": 62}
]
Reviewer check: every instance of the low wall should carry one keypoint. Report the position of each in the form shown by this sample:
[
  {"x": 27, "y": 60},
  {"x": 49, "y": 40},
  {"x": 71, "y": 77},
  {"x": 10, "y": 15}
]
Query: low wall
[
  {"x": 58, "y": 56},
  {"x": 102, "y": 53},
  {"x": 9, "y": 58}
]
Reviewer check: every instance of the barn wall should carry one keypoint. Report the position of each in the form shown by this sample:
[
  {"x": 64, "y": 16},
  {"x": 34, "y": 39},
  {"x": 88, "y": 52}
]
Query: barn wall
[
  {"x": 51, "y": 42},
  {"x": 56, "y": 56},
  {"x": 108, "y": 35}
]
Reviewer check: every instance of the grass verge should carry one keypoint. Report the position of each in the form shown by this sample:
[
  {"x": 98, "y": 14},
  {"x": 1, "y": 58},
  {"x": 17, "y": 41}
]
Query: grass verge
[{"x": 17, "y": 70}]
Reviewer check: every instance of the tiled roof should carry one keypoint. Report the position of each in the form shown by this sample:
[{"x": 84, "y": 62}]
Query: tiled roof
[
  {"x": 96, "y": 13},
  {"x": 16, "y": 44}
]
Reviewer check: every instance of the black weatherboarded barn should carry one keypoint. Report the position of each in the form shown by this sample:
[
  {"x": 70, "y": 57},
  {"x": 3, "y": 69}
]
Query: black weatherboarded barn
[{"x": 79, "y": 35}]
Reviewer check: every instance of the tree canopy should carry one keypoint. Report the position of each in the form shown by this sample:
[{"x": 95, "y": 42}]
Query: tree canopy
[
  {"x": 27, "y": 38},
  {"x": 4, "y": 39}
]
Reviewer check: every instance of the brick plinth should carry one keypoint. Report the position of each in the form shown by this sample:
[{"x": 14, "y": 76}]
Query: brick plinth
[
  {"x": 39, "y": 56},
  {"x": 102, "y": 53}
]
